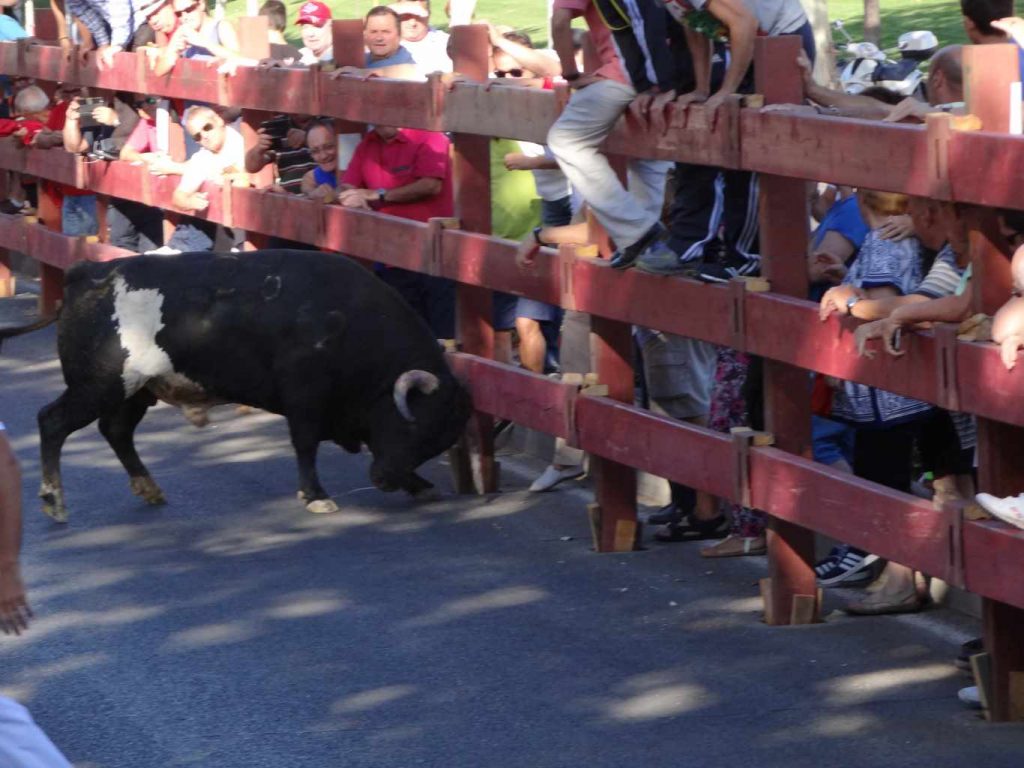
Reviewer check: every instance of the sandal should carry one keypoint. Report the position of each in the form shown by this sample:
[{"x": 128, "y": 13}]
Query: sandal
[
  {"x": 736, "y": 546},
  {"x": 692, "y": 529}
]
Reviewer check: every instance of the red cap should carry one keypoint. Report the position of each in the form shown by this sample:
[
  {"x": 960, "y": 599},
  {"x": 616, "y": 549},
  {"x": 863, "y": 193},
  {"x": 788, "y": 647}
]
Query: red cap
[{"x": 314, "y": 13}]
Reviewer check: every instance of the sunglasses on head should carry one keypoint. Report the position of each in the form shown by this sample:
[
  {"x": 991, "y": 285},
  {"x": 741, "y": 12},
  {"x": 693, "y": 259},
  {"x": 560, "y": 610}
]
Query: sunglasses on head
[
  {"x": 151, "y": 100},
  {"x": 205, "y": 129},
  {"x": 186, "y": 11},
  {"x": 508, "y": 72}
]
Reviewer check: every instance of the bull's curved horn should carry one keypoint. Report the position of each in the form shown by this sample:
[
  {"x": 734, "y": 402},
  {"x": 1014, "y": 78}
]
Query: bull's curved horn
[{"x": 424, "y": 381}]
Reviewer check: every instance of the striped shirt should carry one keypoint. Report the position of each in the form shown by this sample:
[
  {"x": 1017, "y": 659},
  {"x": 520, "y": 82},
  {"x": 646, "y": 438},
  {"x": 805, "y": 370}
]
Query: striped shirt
[
  {"x": 943, "y": 278},
  {"x": 111, "y": 22}
]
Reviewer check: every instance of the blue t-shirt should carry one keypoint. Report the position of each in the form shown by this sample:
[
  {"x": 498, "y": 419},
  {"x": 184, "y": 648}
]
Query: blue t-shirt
[
  {"x": 401, "y": 56},
  {"x": 10, "y": 29},
  {"x": 320, "y": 176},
  {"x": 843, "y": 217}
]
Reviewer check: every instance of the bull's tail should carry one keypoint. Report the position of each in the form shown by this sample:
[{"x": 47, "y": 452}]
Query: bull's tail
[{"x": 7, "y": 333}]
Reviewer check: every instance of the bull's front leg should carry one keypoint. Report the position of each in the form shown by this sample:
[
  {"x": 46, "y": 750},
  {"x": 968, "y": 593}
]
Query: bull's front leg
[
  {"x": 420, "y": 488},
  {"x": 305, "y": 436}
]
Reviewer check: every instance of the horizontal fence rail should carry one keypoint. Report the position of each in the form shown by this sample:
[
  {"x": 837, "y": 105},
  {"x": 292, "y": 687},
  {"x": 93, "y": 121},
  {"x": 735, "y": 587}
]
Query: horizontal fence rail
[{"x": 933, "y": 161}]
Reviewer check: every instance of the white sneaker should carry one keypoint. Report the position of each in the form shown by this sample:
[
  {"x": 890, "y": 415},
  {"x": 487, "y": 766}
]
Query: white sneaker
[
  {"x": 163, "y": 250},
  {"x": 1009, "y": 510},
  {"x": 969, "y": 696},
  {"x": 552, "y": 476}
]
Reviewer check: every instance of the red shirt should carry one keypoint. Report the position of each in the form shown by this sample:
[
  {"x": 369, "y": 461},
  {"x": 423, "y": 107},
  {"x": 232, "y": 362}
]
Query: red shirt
[
  {"x": 9, "y": 126},
  {"x": 411, "y": 155},
  {"x": 55, "y": 122},
  {"x": 611, "y": 62}
]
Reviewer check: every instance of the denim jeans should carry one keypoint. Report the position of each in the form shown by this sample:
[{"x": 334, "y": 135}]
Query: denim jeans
[{"x": 78, "y": 215}]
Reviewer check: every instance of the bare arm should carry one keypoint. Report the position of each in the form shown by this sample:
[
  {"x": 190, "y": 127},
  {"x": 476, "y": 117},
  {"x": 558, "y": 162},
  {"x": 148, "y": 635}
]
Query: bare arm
[
  {"x": 561, "y": 40},
  {"x": 742, "y": 25},
  {"x": 700, "y": 51},
  {"x": 421, "y": 189},
  {"x": 536, "y": 61},
  {"x": 73, "y": 140}
]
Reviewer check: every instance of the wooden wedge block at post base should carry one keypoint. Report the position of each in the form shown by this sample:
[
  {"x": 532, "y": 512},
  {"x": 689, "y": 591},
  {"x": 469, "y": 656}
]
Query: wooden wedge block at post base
[
  {"x": 805, "y": 609},
  {"x": 757, "y": 284},
  {"x": 753, "y": 100},
  {"x": 757, "y": 439},
  {"x": 628, "y": 533},
  {"x": 765, "y": 586},
  {"x": 981, "y": 669},
  {"x": 1017, "y": 696}
]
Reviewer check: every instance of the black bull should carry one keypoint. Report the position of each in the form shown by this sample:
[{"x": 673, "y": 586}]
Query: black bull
[{"x": 311, "y": 336}]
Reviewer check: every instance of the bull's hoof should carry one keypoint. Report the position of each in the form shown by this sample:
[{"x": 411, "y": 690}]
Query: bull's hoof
[
  {"x": 425, "y": 495},
  {"x": 148, "y": 490},
  {"x": 53, "y": 505},
  {"x": 197, "y": 415},
  {"x": 322, "y": 507}
]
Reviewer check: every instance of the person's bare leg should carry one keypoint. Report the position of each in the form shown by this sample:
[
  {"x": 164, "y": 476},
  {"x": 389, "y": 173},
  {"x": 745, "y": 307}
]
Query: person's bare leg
[
  {"x": 532, "y": 345},
  {"x": 503, "y": 347},
  {"x": 14, "y": 609}
]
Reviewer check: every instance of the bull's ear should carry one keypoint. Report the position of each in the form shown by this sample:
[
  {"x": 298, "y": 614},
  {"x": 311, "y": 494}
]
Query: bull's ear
[{"x": 336, "y": 324}]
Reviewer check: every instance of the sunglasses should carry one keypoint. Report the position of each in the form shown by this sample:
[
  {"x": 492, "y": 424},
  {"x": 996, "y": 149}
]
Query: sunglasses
[
  {"x": 150, "y": 100},
  {"x": 185, "y": 11},
  {"x": 205, "y": 129},
  {"x": 508, "y": 73}
]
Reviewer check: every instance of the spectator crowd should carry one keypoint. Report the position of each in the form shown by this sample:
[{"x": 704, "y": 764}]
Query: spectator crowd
[{"x": 894, "y": 262}]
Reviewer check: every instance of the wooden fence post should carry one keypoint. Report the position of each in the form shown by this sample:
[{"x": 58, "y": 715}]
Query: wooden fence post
[
  {"x": 783, "y": 236},
  {"x": 988, "y": 72},
  {"x": 471, "y": 172},
  {"x": 51, "y": 279},
  {"x": 614, "y": 512},
  {"x": 7, "y": 286}
]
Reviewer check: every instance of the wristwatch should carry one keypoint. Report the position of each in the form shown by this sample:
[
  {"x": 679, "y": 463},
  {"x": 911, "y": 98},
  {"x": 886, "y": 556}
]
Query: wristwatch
[
  {"x": 380, "y": 195},
  {"x": 536, "y": 236},
  {"x": 850, "y": 302}
]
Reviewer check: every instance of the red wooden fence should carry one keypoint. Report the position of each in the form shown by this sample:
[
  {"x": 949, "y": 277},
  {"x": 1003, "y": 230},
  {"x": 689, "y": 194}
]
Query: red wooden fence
[{"x": 800, "y": 496}]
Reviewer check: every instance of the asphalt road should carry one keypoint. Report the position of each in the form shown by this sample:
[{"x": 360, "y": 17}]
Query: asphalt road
[{"x": 231, "y": 628}]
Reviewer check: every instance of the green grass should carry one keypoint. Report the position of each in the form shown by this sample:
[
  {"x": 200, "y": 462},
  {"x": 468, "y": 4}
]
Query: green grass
[{"x": 940, "y": 16}]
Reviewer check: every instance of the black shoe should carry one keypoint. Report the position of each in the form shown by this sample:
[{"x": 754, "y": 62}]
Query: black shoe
[
  {"x": 729, "y": 267},
  {"x": 10, "y": 207},
  {"x": 666, "y": 516},
  {"x": 625, "y": 257},
  {"x": 968, "y": 649},
  {"x": 660, "y": 259},
  {"x": 691, "y": 529}
]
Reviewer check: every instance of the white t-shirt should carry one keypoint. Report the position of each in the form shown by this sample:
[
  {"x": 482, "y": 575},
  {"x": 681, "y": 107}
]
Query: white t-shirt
[
  {"x": 22, "y": 743},
  {"x": 552, "y": 184},
  {"x": 775, "y": 17},
  {"x": 430, "y": 53},
  {"x": 205, "y": 165},
  {"x": 308, "y": 58}
]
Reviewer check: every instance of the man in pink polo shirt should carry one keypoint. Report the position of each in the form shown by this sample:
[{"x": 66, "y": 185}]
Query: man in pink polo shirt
[{"x": 407, "y": 173}]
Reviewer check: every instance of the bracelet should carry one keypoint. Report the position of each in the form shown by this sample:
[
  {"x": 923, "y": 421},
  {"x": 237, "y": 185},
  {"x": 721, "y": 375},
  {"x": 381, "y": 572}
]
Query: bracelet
[{"x": 536, "y": 236}]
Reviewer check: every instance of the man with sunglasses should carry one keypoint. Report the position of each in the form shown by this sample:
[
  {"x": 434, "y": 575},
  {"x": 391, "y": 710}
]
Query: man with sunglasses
[{"x": 220, "y": 159}]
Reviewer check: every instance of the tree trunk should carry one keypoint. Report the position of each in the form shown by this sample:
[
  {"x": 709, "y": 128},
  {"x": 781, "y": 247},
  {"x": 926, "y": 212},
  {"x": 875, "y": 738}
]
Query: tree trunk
[
  {"x": 872, "y": 22},
  {"x": 825, "y": 64}
]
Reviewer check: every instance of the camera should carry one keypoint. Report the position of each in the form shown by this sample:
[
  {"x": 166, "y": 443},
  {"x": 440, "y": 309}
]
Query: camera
[{"x": 86, "y": 108}]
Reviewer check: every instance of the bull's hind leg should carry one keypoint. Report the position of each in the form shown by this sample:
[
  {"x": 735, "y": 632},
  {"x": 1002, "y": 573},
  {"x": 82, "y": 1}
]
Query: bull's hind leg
[
  {"x": 68, "y": 413},
  {"x": 119, "y": 428}
]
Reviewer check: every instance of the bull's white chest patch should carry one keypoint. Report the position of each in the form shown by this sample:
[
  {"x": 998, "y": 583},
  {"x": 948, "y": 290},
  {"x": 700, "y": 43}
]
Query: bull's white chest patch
[{"x": 139, "y": 318}]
